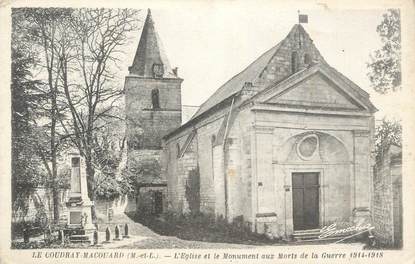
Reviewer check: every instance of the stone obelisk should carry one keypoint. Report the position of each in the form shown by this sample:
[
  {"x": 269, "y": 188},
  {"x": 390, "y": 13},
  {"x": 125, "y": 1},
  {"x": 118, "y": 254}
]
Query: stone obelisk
[{"x": 79, "y": 205}]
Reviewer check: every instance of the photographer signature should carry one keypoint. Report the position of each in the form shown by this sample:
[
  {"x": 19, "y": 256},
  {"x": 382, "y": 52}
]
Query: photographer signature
[{"x": 333, "y": 230}]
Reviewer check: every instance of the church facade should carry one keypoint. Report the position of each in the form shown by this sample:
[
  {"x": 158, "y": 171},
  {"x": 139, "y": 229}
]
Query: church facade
[{"x": 284, "y": 145}]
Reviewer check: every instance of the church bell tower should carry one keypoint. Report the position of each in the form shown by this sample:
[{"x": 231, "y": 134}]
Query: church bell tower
[{"x": 152, "y": 103}]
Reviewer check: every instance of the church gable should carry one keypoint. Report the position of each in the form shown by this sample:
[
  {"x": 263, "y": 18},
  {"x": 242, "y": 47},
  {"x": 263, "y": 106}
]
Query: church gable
[
  {"x": 297, "y": 51},
  {"x": 316, "y": 90},
  {"x": 294, "y": 53}
]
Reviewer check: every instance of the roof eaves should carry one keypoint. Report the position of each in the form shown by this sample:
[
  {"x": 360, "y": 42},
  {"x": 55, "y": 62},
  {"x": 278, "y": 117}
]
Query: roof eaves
[
  {"x": 197, "y": 118},
  {"x": 311, "y": 70}
]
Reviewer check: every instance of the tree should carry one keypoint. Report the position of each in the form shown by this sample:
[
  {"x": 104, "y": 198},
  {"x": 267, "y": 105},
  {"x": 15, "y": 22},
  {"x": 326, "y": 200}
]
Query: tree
[
  {"x": 389, "y": 132},
  {"x": 43, "y": 29},
  {"x": 88, "y": 73},
  {"x": 385, "y": 63},
  {"x": 26, "y": 104},
  {"x": 109, "y": 156},
  {"x": 79, "y": 51},
  {"x": 192, "y": 191}
]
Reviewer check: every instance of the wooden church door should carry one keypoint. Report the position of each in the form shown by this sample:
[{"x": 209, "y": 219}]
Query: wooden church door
[{"x": 305, "y": 187}]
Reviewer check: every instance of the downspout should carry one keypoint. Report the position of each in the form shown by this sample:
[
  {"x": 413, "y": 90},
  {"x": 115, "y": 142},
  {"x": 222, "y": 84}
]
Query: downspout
[{"x": 225, "y": 178}]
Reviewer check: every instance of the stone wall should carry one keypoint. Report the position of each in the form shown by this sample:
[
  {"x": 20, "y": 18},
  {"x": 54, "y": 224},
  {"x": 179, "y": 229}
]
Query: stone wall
[
  {"x": 280, "y": 64},
  {"x": 387, "y": 198},
  {"x": 200, "y": 155},
  {"x": 40, "y": 204},
  {"x": 146, "y": 125},
  {"x": 118, "y": 205}
]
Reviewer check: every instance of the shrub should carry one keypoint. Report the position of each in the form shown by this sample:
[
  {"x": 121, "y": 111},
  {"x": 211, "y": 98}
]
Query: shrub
[{"x": 203, "y": 227}]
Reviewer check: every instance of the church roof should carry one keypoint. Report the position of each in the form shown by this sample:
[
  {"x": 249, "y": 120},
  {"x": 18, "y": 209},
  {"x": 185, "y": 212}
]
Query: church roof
[
  {"x": 254, "y": 71},
  {"x": 249, "y": 74},
  {"x": 150, "y": 51},
  {"x": 235, "y": 84}
]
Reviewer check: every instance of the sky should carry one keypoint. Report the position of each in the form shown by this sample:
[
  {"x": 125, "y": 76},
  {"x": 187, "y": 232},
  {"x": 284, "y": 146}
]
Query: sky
[{"x": 210, "y": 45}]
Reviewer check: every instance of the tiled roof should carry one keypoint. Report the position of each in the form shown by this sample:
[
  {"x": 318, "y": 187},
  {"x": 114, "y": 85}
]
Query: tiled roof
[
  {"x": 235, "y": 84},
  {"x": 150, "y": 51}
]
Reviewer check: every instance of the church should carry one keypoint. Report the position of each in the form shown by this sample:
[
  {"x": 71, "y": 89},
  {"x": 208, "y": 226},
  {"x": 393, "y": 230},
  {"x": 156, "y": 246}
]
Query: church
[{"x": 285, "y": 145}]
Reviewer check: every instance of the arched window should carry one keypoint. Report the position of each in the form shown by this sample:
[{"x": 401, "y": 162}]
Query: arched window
[
  {"x": 155, "y": 100},
  {"x": 307, "y": 58},
  {"x": 294, "y": 62}
]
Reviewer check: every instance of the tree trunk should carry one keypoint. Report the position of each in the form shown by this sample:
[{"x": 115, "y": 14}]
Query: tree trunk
[
  {"x": 55, "y": 192},
  {"x": 53, "y": 147},
  {"x": 90, "y": 172}
]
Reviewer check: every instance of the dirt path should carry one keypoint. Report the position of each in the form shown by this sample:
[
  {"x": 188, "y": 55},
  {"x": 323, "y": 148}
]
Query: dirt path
[
  {"x": 143, "y": 237},
  {"x": 134, "y": 228}
]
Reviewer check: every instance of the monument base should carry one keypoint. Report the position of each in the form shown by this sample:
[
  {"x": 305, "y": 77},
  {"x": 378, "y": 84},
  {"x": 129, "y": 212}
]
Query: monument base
[{"x": 80, "y": 226}]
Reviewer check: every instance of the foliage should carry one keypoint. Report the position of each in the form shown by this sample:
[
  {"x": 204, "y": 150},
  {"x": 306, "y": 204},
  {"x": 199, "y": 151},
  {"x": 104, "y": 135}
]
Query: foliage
[
  {"x": 203, "y": 227},
  {"x": 54, "y": 243},
  {"x": 387, "y": 133},
  {"x": 63, "y": 180},
  {"x": 26, "y": 106},
  {"x": 112, "y": 188},
  {"x": 109, "y": 157},
  {"x": 89, "y": 57},
  {"x": 35, "y": 31},
  {"x": 143, "y": 171},
  {"x": 77, "y": 55},
  {"x": 21, "y": 208},
  {"x": 385, "y": 63},
  {"x": 192, "y": 191}
]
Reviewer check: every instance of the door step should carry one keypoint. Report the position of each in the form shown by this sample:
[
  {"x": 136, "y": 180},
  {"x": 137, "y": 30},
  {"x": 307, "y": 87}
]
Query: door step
[
  {"x": 307, "y": 231},
  {"x": 310, "y": 234}
]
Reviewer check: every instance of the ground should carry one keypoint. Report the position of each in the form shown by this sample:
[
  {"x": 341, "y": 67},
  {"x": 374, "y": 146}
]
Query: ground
[
  {"x": 141, "y": 237},
  {"x": 144, "y": 238}
]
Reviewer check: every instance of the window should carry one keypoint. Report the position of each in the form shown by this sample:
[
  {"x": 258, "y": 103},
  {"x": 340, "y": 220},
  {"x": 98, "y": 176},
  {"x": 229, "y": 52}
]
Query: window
[
  {"x": 307, "y": 146},
  {"x": 294, "y": 62},
  {"x": 158, "y": 70},
  {"x": 307, "y": 58},
  {"x": 155, "y": 100}
]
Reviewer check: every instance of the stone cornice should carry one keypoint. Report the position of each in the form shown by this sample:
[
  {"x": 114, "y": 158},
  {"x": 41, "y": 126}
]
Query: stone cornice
[{"x": 267, "y": 107}]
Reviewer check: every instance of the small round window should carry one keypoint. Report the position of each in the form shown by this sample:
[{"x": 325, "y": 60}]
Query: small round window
[{"x": 307, "y": 146}]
